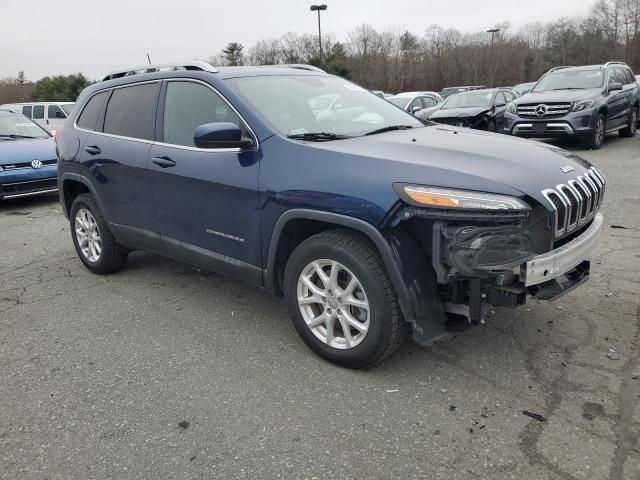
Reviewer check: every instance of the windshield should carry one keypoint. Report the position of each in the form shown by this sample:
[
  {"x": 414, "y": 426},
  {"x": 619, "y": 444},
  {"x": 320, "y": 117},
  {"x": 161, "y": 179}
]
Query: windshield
[
  {"x": 67, "y": 108},
  {"x": 570, "y": 80},
  {"x": 399, "y": 101},
  {"x": 467, "y": 100},
  {"x": 292, "y": 105},
  {"x": 19, "y": 126}
]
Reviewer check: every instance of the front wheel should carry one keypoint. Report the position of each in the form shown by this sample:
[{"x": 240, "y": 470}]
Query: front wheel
[
  {"x": 595, "y": 139},
  {"x": 341, "y": 300}
]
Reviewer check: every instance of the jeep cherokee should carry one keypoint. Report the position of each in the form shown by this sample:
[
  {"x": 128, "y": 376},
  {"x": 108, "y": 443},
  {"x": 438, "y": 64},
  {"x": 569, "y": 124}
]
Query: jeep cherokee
[
  {"x": 372, "y": 225},
  {"x": 584, "y": 102}
]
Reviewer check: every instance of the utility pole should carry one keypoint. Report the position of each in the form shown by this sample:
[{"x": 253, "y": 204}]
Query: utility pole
[{"x": 319, "y": 8}]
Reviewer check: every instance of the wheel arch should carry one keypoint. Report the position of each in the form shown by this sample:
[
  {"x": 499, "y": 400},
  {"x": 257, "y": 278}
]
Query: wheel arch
[
  {"x": 72, "y": 185},
  {"x": 411, "y": 275}
]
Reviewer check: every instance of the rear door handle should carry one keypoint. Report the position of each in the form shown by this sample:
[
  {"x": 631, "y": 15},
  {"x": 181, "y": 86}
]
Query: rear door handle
[
  {"x": 93, "y": 150},
  {"x": 163, "y": 162}
]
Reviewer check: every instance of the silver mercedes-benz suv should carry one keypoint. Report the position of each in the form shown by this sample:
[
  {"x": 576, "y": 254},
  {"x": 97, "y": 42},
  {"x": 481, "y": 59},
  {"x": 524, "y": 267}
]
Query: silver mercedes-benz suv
[{"x": 585, "y": 102}]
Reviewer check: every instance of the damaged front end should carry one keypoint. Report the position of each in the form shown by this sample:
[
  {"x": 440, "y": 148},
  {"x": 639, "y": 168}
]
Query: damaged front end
[{"x": 490, "y": 258}]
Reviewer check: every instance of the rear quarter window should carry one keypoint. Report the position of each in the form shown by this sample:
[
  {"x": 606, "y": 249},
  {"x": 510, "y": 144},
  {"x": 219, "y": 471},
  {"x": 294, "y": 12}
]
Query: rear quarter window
[
  {"x": 88, "y": 119},
  {"x": 131, "y": 111}
]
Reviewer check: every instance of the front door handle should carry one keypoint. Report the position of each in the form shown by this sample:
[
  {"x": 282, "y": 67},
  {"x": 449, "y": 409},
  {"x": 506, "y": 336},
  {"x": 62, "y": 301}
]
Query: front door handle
[
  {"x": 93, "y": 150},
  {"x": 163, "y": 162}
]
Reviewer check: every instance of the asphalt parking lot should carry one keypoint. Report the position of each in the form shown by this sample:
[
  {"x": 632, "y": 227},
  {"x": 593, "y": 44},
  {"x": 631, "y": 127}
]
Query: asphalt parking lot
[{"x": 165, "y": 371}]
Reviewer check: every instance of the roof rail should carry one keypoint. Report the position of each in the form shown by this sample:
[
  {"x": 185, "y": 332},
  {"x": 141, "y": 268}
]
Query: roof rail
[
  {"x": 194, "y": 65},
  {"x": 299, "y": 66},
  {"x": 559, "y": 68},
  {"x": 613, "y": 63}
]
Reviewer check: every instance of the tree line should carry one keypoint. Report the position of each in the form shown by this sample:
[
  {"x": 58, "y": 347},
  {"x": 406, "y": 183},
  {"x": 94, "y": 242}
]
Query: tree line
[
  {"x": 59, "y": 88},
  {"x": 399, "y": 60}
]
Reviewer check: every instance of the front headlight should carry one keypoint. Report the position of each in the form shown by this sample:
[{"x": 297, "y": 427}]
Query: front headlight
[
  {"x": 511, "y": 108},
  {"x": 584, "y": 105},
  {"x": 462, "y": 199}
]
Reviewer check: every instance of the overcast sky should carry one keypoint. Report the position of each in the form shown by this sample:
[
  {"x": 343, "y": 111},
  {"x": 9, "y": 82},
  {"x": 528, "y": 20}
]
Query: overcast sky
[{"x": 48, "y": 37}]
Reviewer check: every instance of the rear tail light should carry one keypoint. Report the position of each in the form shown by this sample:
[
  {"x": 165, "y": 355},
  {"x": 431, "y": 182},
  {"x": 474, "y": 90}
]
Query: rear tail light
[{"x": 56, "y": 134}]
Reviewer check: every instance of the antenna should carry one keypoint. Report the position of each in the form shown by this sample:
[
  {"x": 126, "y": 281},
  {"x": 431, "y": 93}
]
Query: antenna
[{"x": 148, "y": 58}]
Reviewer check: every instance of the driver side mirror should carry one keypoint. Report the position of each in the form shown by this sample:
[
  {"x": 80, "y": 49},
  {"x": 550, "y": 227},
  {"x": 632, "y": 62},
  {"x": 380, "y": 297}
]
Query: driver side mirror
[
  {"x": 60, "y": 115},
  {"x": 500, "y": 104},
  {"x": 415, "y": 109},
  {"x": 614, "y": 86},
  {"x": 220, "y": 135}
]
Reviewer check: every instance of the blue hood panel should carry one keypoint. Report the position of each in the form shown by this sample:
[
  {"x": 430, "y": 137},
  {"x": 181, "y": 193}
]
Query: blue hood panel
[{"x": 26, "y": 150}]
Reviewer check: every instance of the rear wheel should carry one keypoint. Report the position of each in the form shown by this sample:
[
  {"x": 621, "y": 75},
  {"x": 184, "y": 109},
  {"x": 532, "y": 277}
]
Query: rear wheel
[
  {"x": 630, "y": 130},
  {"x": 95, "y": 244},
  {"x": 595, "y": 139},
  {"x": 341, "y": 300}
]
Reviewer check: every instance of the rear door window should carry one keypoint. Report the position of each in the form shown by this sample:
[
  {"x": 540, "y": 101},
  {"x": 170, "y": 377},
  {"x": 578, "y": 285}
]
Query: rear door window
[
  {"x": 26, "y": 111},
  {"x": 187, "y": 106},
  {"x": 38, "y": 112},
  {"x": 131, "y": 111},
  {"x": 88, "y": 119}
]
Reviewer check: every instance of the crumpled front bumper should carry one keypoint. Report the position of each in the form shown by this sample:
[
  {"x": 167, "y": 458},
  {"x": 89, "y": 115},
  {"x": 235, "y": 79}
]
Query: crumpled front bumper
[{"x": 555, "y": 263}]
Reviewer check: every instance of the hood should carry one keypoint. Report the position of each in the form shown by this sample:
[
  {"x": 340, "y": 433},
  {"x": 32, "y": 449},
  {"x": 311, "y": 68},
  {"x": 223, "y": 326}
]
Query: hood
[
  {"x": 425, "y": 113},
  {"x": 26, "y": 150},
  {"x": 558, "y": 96},
  {"x": 444, "y": 156},
  {"x": 459, "y": 112}
]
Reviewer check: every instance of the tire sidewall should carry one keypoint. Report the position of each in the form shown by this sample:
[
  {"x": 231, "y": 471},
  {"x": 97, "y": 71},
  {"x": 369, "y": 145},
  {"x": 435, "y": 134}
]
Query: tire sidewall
[
  {"x": 374, "y": 289},
  {"x": 86, "y": 201}
]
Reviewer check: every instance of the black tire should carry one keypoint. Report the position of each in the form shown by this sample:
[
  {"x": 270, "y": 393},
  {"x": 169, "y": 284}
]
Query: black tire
[
  {"x": 387, "y": 328},
  {"x": 595, "y": 139},
  {"x": 630, "y": 130},
  {"x": 113, "y": 256},
  {"x": 491, "y": 126}
]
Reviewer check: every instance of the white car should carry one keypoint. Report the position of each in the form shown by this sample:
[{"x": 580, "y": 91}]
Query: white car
[
  {"x": 49, "y": 115},
  {"x": 413, "y": 102}
]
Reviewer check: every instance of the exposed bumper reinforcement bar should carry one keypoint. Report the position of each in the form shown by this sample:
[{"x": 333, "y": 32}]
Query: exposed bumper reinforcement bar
[{"x": 548, "y": 266}]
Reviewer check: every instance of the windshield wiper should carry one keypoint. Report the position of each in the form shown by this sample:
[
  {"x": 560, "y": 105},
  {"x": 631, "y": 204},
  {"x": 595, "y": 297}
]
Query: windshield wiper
[
  {"x": 318, "y": 136},
  {"x": 390, "y": 128},
  {"x": 568, "y": 88},
  {"x": 17, "y": 136}
]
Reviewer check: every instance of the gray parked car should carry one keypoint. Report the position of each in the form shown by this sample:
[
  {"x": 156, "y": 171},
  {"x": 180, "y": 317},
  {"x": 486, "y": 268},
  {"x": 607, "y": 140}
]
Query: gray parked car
[{"x": 584, "y": 102}]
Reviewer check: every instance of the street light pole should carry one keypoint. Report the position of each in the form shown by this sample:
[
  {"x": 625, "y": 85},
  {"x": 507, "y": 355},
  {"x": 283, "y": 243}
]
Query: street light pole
[
  {"x": 319, "y": 8},
  {"x": 493, "y": 32}
]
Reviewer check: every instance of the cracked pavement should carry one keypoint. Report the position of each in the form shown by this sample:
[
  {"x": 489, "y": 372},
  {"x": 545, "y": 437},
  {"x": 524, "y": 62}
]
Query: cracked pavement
[{"x": 165, "y": 371}]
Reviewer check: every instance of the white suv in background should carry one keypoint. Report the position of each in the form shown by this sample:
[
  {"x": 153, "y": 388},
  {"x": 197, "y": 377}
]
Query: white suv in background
[{"x": 49, "y": 115}]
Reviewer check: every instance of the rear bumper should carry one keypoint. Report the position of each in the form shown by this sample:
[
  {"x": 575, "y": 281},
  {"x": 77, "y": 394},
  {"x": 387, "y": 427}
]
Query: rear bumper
[{"x": 556, "y": 263}]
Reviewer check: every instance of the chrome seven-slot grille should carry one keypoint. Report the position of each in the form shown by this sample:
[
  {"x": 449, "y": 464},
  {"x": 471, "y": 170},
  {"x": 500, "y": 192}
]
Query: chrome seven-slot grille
[
  {"x": 542, "y": 110},
  {"x": 576, "y": 202}
]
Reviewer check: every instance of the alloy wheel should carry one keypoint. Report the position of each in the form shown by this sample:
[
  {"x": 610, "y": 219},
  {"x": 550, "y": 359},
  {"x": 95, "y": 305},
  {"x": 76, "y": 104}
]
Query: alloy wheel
[
  {"x": 600, "y": 132},
  {"x": 88, "y": 235},
  {"x": 333, "y": 304}
]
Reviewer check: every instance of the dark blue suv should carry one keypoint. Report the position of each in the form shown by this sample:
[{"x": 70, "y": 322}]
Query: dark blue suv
[{"x": 371, "y": 224}]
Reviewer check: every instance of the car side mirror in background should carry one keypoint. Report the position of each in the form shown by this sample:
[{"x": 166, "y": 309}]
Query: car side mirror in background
[
  {"x": 415, "y": 109},
  {"x": 60, "y": 115},
  {"x": 498, "y": 105},
  {"x": 613, "y": 86},
  {"x": 220, "y": 135}
]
